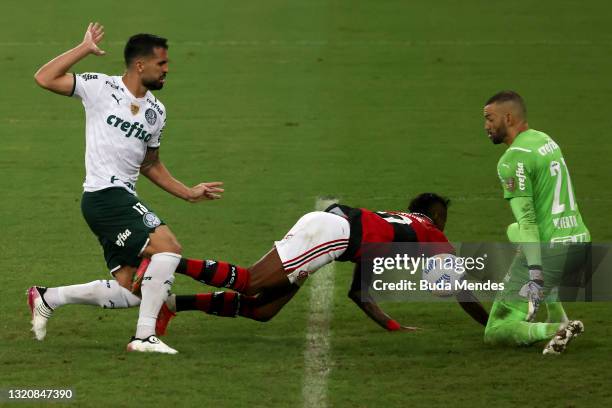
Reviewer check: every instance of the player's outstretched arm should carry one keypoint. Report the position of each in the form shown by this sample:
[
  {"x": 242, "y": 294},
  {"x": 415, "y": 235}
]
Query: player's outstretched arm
[
  {"x": 365, "y": 302},
  {"x": 53, "y": 75},
  {"x": 472, "y": 306},
  {"x": 153, "y": 169}
]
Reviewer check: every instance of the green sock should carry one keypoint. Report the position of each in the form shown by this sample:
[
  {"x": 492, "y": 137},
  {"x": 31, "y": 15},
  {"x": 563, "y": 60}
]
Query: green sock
[{"x": 556, "y": 313}]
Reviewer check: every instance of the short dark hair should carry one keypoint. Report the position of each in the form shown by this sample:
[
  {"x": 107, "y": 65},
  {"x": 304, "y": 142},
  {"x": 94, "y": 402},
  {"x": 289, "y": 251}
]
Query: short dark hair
[
  {"x": 424, "y": 203},
  {"x": 509, "y": 96},
  {"x": 141, "y": 45}
]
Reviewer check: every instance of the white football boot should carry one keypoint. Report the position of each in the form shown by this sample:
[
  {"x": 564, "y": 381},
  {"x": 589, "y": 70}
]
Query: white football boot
[
  {"x": 559, "y": 342},
  {"x": 150, "y": 345},
  {"x": 41, "y": 312}
]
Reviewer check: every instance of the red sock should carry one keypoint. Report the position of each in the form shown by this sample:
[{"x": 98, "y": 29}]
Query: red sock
[
  {"x": 201, "y": 302},
  {"x": 224, "y": 304},
  {"x": 215, "y": 273}
]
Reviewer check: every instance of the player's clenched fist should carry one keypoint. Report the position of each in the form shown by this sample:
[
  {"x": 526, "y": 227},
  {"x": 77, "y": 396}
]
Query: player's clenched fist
[{"x": 93, "y": 36}]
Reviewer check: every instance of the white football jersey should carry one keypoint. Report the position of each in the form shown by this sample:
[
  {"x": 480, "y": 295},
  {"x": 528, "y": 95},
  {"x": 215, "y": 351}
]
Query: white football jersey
[{"x": 118, "y": 129}]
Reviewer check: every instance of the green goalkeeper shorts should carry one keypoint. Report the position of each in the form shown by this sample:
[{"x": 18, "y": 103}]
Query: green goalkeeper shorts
[{"x": 122, "y": 224}]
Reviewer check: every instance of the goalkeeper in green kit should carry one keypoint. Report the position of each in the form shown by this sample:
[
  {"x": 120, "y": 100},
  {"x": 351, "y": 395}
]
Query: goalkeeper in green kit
[{"x": 554, "y": 240}]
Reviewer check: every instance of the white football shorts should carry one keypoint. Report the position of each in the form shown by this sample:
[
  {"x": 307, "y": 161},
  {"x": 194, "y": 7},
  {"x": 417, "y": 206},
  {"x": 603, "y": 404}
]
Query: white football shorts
[{"x": 317, "y": 239}]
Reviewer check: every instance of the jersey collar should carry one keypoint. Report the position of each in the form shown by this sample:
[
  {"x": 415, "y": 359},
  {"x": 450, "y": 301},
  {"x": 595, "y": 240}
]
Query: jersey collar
[
  {"x": 522, "y": 134},
  {"x": 127, "y": 91},
  {"x": 423, "y": 216}
]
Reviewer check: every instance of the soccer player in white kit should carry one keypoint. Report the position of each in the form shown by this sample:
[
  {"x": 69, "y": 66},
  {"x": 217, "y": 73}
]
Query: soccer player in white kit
[{"x": 124, "y": 124}]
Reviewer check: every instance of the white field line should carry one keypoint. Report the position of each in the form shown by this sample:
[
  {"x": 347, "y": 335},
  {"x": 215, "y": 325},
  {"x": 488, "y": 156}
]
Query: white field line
[{"x": 317, "y": 359}]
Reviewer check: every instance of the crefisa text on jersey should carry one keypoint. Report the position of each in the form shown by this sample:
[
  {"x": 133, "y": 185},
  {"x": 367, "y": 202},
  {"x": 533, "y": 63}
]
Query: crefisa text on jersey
[{"x": 128, "y": 128}]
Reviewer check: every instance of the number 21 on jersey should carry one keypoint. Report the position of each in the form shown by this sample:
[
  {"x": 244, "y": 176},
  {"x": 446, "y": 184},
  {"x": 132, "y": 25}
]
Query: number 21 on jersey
[{"x": 559, "y": 170}]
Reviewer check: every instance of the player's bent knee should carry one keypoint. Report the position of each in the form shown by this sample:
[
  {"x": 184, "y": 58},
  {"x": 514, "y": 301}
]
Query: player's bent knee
[
  {"x": 495, "y": 335},
  {"x": 162, "y": 243},
  {"x": 163, "y": 240},
  {"x": 124, "y": 283},
  {"x": 488, "y": 336},
  {"x": 264, "y": 316},
  {"x": 175, "y": 248},
  {"x": 124, "y": 276},
  {"x": 265, "y": 313},
  {"x": 170, "y": 244}
]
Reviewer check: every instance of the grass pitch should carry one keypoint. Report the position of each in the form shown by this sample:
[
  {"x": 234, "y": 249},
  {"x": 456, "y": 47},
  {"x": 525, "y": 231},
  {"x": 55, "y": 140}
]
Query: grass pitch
[{"x": 371, "y": 102}]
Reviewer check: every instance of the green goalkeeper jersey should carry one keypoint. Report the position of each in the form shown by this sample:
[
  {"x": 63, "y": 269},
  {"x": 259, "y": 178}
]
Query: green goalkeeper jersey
[{"x": 533, "y": 166}]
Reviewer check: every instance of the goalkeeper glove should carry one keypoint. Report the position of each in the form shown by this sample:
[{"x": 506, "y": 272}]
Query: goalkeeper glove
[{"x": 533, "y": 291}]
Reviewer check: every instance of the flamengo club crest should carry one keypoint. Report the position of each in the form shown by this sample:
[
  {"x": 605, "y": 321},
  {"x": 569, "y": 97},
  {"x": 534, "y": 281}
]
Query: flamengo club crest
[{"x": 134, "y": 108}]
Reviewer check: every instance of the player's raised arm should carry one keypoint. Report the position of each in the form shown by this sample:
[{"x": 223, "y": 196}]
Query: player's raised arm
[
  {"x": 366, "y": 303},
  {"x": 53, "y": 75}
]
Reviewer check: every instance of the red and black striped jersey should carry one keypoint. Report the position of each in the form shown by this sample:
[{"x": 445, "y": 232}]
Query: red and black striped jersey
[{"x": 387, "y": 226}]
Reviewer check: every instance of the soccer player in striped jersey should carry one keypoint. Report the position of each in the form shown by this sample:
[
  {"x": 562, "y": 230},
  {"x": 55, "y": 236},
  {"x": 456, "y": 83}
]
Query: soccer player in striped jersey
[
  {"x": 536, "y": 182},
  {"x": 318, "y": 238}
]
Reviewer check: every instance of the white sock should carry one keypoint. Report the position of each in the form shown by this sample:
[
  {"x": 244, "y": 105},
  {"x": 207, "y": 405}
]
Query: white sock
[
  {"x": 171, "y": 302},
  {"x": 156, "y": 285},
  {"x": 104, "y": 293}
]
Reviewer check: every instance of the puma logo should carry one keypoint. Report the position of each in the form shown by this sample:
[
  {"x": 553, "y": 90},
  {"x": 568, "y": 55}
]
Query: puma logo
[{"x": 117, "y": 99}]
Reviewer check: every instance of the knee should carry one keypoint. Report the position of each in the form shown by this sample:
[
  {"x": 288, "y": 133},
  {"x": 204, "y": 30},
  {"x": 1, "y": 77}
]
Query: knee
[
  {"x": 125, "y": 283},
  {"x": 125, "y": 276},
  {"x": 176, "y": 248},
  {"x": 497, "y": 335},
  {"x": 172, "y": 245},
  {"x": 264, "y": 316},
  {"x": 162, "y": 240},
  {"x": 264, "y": 313},
  {"x": 489, "y": 337}
]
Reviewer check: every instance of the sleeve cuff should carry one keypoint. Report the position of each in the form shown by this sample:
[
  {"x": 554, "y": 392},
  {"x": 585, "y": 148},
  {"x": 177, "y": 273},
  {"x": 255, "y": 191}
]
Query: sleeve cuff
[{"x": 73, "y": 84}]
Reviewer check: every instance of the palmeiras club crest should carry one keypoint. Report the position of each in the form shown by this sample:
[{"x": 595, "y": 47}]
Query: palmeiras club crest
[
  {"x": 150, "y": 116},
  {"x": 151, "y": 220}
]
